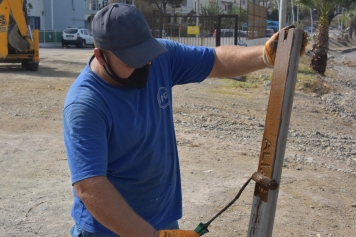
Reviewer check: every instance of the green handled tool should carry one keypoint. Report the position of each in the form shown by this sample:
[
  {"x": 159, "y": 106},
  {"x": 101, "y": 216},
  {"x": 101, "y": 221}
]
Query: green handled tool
[
  {"x": 202, "y": 228},
  {"x": 266, "y": 183}
]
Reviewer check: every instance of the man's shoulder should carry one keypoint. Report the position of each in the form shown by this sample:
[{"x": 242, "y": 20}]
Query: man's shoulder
[
  {"x": 86, "y": 76},
  {"x": 172, "y": 45},
  {"x": 83, "y": 85},
  {"x": 169, "y": 44}
]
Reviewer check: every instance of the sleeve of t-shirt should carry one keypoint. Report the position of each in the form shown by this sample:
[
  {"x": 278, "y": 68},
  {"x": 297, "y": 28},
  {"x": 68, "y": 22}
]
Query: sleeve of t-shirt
[
  {"x": 189, "y": 63},
  {"x": 85, "y": 141}
]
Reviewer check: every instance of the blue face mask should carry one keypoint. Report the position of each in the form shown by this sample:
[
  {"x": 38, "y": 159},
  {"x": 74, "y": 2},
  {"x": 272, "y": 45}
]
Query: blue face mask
[{"x": 138, "y": 79}]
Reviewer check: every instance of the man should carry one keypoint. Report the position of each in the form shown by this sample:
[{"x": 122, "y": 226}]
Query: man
[{"x": 118, "y": 124}]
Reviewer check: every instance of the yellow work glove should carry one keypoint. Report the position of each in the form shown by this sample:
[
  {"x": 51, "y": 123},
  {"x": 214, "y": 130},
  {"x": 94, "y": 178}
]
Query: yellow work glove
[
  {"x": 178, "y": 233},
  {"x": 270, "y": 47}
]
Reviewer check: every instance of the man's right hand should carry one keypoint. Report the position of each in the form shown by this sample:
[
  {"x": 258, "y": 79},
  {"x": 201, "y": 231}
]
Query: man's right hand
[
  {"x": 270, "y": 47},
  {"x": 177, "y": 233}
]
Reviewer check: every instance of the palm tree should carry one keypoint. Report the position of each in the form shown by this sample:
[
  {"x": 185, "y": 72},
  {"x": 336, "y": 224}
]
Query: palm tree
[{"x": 327, "y": 10}]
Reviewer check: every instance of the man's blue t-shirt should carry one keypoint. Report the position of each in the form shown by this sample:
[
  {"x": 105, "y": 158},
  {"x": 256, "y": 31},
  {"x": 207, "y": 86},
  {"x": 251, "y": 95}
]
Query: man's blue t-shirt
[{"x": 128, "y": 135}]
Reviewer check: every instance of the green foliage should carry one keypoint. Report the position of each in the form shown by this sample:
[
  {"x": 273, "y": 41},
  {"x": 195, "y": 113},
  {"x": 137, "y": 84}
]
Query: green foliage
[
  {"x": 162, "y": 5},
  {"x": 175, "y": 3},
  {"x": 236, "y": 11},
  {"x": 326, "y": 10},
  {"x": 211, "y": 10},
  {"x": 273, "y": 16}
]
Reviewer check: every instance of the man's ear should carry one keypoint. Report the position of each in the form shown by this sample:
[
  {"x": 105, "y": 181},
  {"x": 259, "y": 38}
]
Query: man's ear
[{"x": 98, "y": 56}]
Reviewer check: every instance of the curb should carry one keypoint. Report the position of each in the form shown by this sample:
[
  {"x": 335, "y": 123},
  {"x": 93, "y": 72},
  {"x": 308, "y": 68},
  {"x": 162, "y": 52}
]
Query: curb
[{"x": 51, "y": 45}]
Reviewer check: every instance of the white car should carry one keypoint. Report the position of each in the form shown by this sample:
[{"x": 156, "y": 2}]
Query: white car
[{"x": 80, "y": 37}]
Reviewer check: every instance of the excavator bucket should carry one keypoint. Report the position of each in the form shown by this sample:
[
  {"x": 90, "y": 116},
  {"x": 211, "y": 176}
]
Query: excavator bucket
[{"x": 16, "y": 40}]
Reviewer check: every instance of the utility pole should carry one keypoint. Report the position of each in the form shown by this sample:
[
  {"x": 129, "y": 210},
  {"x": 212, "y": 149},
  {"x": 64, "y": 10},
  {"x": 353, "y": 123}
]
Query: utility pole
[
  {"x": 197, "y": 14},
  {"x": 240, "y": 22},
  {"x": 52, "y": 15},
  {"x": 292, "y": 5},
  {"x": 282, "y": 13}
]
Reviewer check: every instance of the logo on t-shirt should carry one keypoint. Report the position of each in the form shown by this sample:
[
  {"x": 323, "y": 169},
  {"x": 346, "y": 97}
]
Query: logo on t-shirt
[{"x": 162, "y": 97}]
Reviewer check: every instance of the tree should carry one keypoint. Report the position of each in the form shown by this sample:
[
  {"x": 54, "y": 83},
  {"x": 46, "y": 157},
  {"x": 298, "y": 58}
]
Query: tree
[
  {"x": 273, "y": 11},
  {"x": 236, "y": 11},
  {"x": 327, "y": 10},
  {"x": 212, "y": 9},
  {"x": 162, "y": 4},
  {"x": 208, "y": 16},
  {"x": 274, "y": 15},
  {"x": 352, "y": 25}
]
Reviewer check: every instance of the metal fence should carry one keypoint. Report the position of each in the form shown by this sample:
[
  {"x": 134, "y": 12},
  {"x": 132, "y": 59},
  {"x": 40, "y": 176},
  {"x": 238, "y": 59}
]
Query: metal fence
[
  {"x": 50, "y": 36},
  {"x": 211, "y": 30},
  {"x": 257, "y": 19}
]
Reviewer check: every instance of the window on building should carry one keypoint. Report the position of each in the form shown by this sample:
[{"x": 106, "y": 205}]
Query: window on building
[
  {"x": 96, "y": 5},
  {"x": 34, "y": 22}
]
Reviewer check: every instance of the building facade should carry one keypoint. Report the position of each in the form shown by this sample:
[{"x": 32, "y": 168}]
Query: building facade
[{"x": 56, "y": 15}]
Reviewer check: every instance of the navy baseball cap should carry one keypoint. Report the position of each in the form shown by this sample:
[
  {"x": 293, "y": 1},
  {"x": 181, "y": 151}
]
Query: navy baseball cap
[{"x": 123, "y": 30}]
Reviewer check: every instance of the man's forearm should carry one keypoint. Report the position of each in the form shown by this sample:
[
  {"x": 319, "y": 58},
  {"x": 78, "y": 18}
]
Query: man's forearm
[
  {"x": 108, "y": 207},
  {"x": 237, "y": 61}
]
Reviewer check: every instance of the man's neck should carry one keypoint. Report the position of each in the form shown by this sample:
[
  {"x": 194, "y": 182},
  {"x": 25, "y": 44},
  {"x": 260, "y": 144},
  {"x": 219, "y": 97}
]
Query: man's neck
[{"x": 99, "y": 70}]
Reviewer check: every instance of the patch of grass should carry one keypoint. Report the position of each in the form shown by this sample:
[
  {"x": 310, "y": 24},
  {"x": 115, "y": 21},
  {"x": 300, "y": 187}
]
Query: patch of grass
[
  {"x": 230, "y": 86},
  {"x": 331, "y": 73},
  {"x": 231, "y": 83},
  {"x": 304, "y": 66},
  {"x": 311, "y": 82},
  {"x": 318, "y": 87}
]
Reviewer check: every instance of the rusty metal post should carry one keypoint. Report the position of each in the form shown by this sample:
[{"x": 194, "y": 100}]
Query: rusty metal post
[{"x": 275, "y": 132}]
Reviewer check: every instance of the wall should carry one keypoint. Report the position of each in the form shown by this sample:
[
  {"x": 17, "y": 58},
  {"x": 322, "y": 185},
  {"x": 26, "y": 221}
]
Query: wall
[
  {"x": 35, "y": 9},
  {"x": 65, "y": 13}
]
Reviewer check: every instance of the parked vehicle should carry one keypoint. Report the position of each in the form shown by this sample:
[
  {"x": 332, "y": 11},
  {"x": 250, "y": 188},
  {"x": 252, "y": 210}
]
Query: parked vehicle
[
  {"x": 209, "y": 35},
  {"x": 311, "y": 31},
  {"x": 18, "y": 44},
  {"x": 309, "y": 28},
  {"x": 269, "y": 25},
  {"x": 156, "y": 34},
  {"x": 80, "y": 37},
  {"x": 269, "y": 32},
  {"x": 230, "y": 33}
]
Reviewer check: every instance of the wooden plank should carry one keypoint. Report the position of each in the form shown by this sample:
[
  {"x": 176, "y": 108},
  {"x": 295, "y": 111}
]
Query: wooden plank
[{"x": 276, "y": 130}]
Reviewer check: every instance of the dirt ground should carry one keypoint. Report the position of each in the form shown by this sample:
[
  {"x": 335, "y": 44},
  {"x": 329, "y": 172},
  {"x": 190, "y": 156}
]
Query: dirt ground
[{"x": 219, "y": 137}]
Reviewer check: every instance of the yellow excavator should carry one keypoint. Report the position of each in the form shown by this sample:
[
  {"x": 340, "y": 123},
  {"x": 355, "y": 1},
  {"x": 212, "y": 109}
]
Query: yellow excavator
[{"x": 18, "y": 44}]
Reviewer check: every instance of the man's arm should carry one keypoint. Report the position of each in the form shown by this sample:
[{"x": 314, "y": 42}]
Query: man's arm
[
  {"x": 108, "y": 207},
  {"x": 233, "y": 60}
]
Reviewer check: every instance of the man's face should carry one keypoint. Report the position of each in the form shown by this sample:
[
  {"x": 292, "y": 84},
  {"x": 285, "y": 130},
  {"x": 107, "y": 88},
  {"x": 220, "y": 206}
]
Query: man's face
[{"x": 119, "y": 67}]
